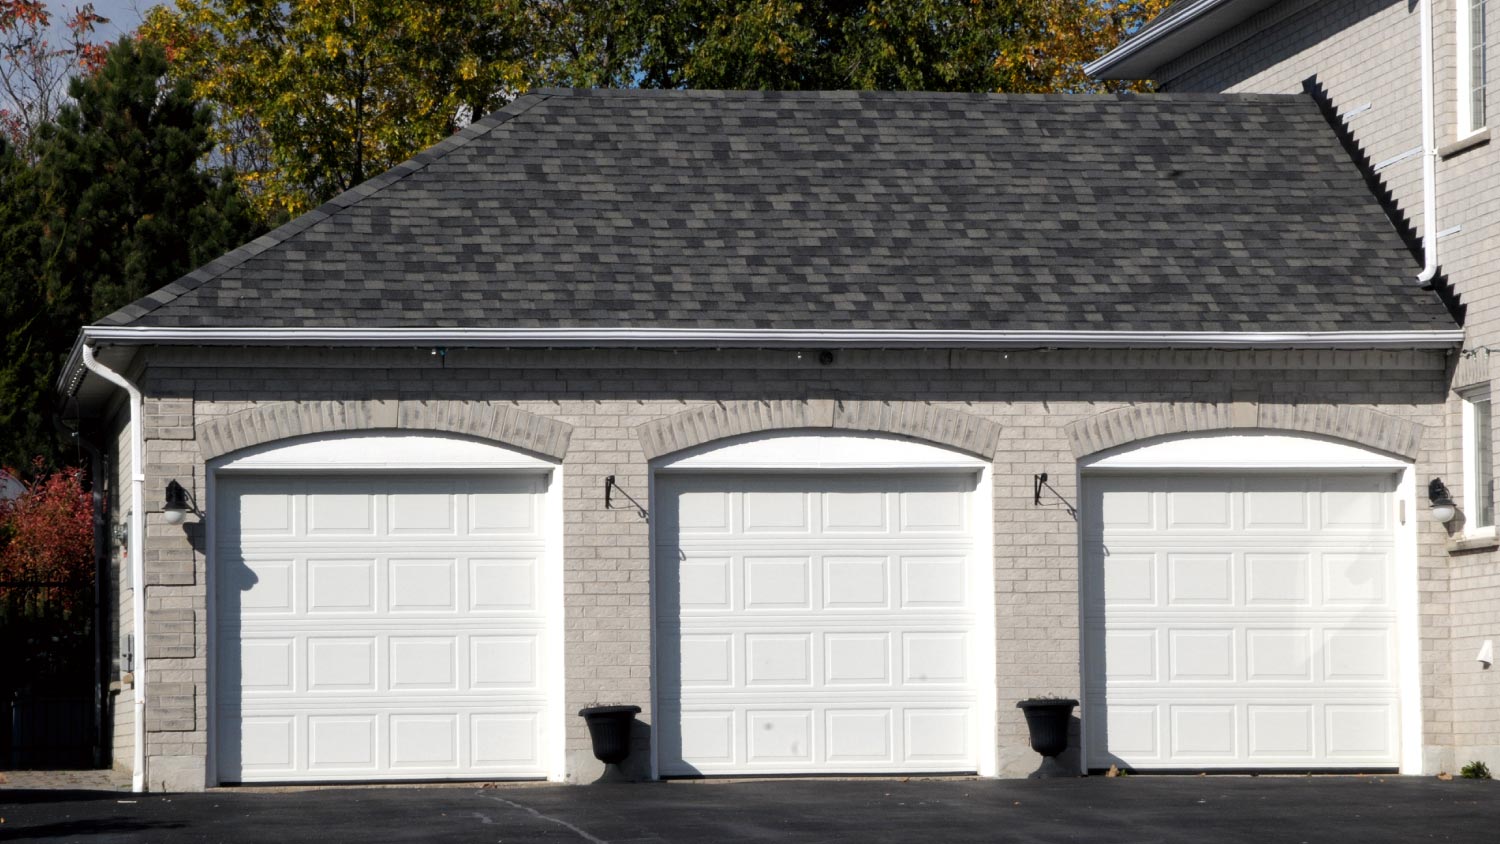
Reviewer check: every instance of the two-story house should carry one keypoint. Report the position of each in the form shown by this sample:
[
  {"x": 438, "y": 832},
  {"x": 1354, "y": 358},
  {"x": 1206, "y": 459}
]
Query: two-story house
[{"x": 1413, "y": 84}]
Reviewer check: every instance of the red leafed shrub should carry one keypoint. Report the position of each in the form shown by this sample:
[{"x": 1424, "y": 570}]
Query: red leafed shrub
[{"x": 47, "y": 535}]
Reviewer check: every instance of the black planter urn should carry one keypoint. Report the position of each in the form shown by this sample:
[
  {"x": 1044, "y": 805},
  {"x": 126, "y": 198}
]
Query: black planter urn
[
  {"x": 609, "y": 730},
  {"x": 1047, "y": 721}
]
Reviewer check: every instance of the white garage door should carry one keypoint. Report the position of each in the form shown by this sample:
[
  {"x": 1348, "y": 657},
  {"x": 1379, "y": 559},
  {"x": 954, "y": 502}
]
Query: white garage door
[
  {"x": 816, "y": 624},
  {"x": 379, "y": 628},
  {"x": 1241, "y": 622}
]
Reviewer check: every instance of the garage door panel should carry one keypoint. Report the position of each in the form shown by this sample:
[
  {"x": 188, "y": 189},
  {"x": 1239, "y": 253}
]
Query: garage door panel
[
  {"x": 855, "y": 511},
  {"x": 856, "y": 582},
  {"x": 1200, "y": 580},
  {"x": 1199, "y": 505},
  {"x": 342, "y": 664},
  {"x": 1226, "y": 618},
  {"x": 777, "y": 583},
  {"x": 1278, "y": 579},
  {"x": 410, "y": 649},
  {"x": 504, "y": 585},
  {"x": 505, "y": 741},
  {"x": 775, "y": 511},
  {"x": 1279, "y": 655},
  {"x": 1278, "y": 505},
  {"x": 798, "y": 618},
  {"x": 340, "y": 510},
  {"x": 258, "y": 586},
  {"x": 340, "y": 586},
  {"x": 1282, "y": 731},
  {"x": 857, "y": 659},
  {"x": 505, "y": 662},
  {"x": 424, "y": 740}
]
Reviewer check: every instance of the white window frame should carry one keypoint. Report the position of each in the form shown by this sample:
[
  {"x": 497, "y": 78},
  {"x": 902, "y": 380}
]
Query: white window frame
[
  {"x": 1471, "y": 474},
  {"x": 1467, "y": 124}
]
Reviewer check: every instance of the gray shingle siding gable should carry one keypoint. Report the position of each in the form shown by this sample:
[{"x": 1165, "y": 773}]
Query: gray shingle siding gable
[{"x": 842, "y": 210}]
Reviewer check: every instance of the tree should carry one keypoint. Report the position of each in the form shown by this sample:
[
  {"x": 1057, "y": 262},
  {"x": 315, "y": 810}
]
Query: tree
[
  {"x": 46, "y": 584},
  {"x": 126, "y": 206},
  {"x": 326, "y": 94},
  {"x": 1012, "y": 46},
  {"x": 313, "y": 96},
  {"x": 47, "y": 534},
  {"x": 25, "y": 429},
  {"x": 116, "y": 205},
  {"x": 34, "y": 69}
]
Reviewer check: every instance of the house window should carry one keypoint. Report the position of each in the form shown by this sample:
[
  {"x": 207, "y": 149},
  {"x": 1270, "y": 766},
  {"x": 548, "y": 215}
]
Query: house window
[
  {"x": 1473, "y": 75},
  {"x": 1479, "y": 464}
]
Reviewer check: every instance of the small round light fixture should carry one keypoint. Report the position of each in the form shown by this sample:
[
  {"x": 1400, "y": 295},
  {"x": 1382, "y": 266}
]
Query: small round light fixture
[
  {"x": 176, "y": 508},
  {"x": 1443, "y": 510}
]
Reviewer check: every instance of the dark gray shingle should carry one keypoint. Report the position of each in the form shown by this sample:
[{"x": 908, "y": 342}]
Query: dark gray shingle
[{"x": 842, "y": 210}]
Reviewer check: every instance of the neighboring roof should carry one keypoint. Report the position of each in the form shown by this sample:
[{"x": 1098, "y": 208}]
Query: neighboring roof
[
  {"x": 11, "y": 488},
  {"x": 1180, "y": 27},
  {"x": 841, "y": 211}
]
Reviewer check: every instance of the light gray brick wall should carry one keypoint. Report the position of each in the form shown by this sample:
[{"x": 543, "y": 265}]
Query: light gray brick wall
[
  {"x": 1367, "y": 52},
  {"x": 614, "y": 410}
]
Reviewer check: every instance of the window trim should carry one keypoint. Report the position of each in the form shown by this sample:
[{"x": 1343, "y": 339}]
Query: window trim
[
  {"x": 1466, "y": 126},
  {"x": 1471, "y": 500}
]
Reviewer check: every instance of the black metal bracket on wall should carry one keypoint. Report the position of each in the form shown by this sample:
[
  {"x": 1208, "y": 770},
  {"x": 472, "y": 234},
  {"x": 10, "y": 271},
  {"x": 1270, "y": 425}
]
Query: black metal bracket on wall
[
  {"x": 1037, "y": 482},
  {"x": 611, "y": 487}
]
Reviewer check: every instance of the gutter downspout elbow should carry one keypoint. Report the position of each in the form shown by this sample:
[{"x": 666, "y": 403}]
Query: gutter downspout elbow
[
  {"x": 135, "y": 549},
  {"x": 1429, "y": 155}
]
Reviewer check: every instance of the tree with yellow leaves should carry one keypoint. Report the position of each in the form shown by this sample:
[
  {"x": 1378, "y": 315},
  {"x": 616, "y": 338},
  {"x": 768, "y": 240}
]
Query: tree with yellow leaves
[{"x": 314, "y": 96}]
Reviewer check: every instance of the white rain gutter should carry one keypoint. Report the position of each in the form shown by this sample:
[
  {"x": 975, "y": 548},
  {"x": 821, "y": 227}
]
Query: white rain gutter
[
  {"x": 1429, "y": 155},
  {"x": 740, "y": 338},
  {"x": 137, "y": 557},
  {"x": 1128, "y": 48},
  {"x": 763, "y": 338}
]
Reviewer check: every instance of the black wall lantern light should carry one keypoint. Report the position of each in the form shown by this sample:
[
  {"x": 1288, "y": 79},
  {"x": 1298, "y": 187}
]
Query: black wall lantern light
[
  {"x": 1443, "y": 510},
  {"x": 178, "y": 504}
]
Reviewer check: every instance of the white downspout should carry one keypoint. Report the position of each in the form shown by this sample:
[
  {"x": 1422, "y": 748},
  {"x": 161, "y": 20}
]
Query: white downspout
[
  {"x": 1429, "y": 154},
  {"x": 134, "y": 549}
]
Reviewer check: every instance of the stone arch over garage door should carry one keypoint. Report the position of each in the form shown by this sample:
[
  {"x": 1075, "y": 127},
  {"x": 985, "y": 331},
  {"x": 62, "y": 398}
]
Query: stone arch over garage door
[
  {"x": 942, "y": 426},
  {"x": 1371, "y": 428},
  {"x": 285, "y": 419}
]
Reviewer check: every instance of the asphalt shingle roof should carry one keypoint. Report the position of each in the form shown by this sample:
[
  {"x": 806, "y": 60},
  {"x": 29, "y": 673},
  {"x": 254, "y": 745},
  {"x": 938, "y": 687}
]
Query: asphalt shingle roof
[{"x": 840, "y": 210}]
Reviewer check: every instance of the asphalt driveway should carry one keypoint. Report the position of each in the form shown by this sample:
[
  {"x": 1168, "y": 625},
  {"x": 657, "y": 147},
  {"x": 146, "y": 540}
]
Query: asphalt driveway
[{"x": 1110, "y": 811}]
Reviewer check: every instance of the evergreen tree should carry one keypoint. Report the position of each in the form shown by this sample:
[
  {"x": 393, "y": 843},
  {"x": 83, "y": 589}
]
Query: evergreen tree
[
  {"x": 25, "y": 430},
  {"x": 126, "y": 204},
  {"x": 117, "y": 205}
]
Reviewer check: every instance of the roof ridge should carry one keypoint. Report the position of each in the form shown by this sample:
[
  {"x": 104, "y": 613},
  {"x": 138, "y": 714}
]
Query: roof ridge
[{"x": 229, "y": 260}]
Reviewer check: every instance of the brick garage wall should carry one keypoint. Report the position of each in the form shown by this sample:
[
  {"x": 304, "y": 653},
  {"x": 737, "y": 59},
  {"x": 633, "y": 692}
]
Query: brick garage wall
[
  {"x": 1367, "y": 53},
  {"x": 1032, "y": 410}
]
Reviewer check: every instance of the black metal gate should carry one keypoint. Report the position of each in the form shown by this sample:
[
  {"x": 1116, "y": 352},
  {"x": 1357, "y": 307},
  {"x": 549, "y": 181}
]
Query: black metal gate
[{"x": 48, "y": 677}]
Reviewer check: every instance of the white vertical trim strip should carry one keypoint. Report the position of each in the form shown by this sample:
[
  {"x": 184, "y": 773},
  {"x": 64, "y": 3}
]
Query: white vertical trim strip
[{"x": 135, "y": 546}]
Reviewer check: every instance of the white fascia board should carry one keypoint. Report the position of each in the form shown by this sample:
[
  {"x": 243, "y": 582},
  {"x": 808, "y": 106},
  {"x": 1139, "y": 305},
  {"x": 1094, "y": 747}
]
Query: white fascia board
[
  {"x": 740, "y": 338},
  {"x": 1122, "y": 61},
  {"x": 760, "y": 338}
]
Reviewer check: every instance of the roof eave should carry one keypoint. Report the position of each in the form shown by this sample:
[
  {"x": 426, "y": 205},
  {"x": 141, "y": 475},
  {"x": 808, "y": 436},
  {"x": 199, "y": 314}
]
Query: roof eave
[
  {"x": 1139, "y": 56},
  {"x": 743, "y": 338}
]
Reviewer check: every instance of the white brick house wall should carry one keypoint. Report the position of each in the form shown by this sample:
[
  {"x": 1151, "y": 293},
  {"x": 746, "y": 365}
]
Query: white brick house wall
[{"x": 609, "y": 412}]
